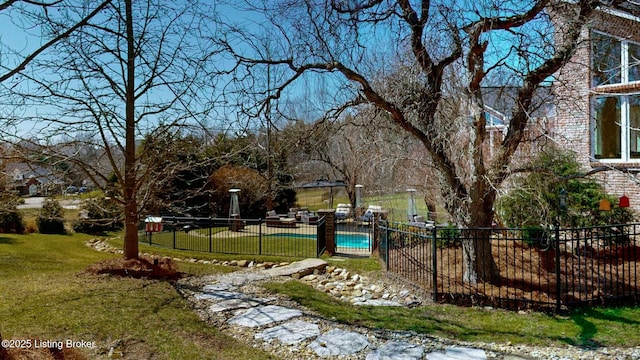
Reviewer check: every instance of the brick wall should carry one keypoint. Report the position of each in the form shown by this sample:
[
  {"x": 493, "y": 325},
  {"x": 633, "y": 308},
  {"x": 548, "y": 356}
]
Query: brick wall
[{"x": 572, "y": 90}]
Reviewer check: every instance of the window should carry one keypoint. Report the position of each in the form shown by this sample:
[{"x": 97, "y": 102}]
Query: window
[
  {"x": 615, "y": 61},
  {"x": 615, "y": 126}
]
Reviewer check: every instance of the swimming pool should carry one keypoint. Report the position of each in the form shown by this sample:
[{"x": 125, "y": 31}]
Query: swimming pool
[
  {"x": 353, "y": 241},
  {"x": 343, "y": 240}
]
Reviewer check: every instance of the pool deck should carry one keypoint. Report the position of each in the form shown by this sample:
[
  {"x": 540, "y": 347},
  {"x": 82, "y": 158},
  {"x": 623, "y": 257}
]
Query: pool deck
[{"x": 255, "y": 230}]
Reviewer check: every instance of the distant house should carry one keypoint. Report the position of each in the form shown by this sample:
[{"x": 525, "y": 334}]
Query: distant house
[
  {"x": 499, "y": 103},
  {"x": 26, "y": 179},
  {"x": 598, "y": 99}
]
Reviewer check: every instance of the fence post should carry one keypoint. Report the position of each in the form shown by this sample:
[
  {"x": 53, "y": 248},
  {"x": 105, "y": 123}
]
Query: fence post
[
  {"x": 557, "y": 267},
  {"x": 434, "y": 262},
  {"x": 260, "y": 236},
  {"x": 210, "y": 235},
  {"x": 386, "y": 245},
  {"x": 174, "y": 232},
  {"x": 330, "y": 229}
]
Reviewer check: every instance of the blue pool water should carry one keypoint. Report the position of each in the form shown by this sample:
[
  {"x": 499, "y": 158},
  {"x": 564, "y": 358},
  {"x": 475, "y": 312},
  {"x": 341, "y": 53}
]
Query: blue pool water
[{"x": 351, "y": 241}]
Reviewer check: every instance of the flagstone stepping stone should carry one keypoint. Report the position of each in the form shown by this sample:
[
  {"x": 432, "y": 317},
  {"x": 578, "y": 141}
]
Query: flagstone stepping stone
[
  {"x": 218, "y": 287},
  {"x": 458, "y": 353},
  {"x": 264, "y": 315},
  {"x": 238, "y": 303},
  {"x": 299, "y": 268},
  {"x": 240, "y": 278},
  {"x": 290, "y": 333},
  {"x": 338, "y": 342},
  {"x": 397, "y": 350},
  {"x": 219, "y": 295}
]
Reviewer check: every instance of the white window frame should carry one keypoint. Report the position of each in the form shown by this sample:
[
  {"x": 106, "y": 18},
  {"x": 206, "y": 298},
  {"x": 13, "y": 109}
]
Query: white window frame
[
  {"x": 624, "y": 62},
  {"x": 605, "y": 91}
]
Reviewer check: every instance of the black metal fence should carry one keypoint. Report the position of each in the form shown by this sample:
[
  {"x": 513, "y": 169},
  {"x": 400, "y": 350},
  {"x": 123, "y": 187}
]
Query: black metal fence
[
  {"x": 240, "y": 236},
  {"x": 546, "y": 269},
  {"x": 354, "y": 237}
]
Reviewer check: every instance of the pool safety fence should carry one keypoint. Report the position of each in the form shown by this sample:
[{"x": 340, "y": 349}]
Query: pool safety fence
[{"x": 285, "y": 237}]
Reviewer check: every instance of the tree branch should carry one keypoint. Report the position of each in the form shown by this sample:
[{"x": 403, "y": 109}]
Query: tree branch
[{"x": 51, "y": 42}]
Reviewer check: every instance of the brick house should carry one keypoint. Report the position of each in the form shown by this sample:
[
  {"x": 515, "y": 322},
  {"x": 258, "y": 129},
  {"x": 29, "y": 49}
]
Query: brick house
[{"x": 597, "y": 99}]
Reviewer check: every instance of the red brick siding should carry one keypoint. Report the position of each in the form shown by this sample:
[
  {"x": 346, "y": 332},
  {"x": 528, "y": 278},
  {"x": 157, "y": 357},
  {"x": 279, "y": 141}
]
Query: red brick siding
[{"x": 573, "y": 88}]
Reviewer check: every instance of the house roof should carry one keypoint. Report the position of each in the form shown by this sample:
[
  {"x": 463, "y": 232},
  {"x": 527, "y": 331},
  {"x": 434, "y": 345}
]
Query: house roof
[
  {"x": 27, "y": 171},
  {"x": 502, "y": 99}
]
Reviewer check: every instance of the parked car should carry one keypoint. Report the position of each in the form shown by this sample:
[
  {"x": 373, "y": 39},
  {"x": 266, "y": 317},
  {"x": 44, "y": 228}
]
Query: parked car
[{"x": 71, "y": 190}]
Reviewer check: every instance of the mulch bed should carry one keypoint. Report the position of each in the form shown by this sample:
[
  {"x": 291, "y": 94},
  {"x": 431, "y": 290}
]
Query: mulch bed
[
  {"x": 140, "y": 268},
  {"x": 41, "y": 354},
  {"x": 527, "y": 274}
]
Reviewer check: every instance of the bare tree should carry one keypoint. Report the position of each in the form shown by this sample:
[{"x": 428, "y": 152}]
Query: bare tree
[
  {"x": 36, "y": 14},
  {"x": 359, "y": 42},
  {"x": 133, "y": 67}
]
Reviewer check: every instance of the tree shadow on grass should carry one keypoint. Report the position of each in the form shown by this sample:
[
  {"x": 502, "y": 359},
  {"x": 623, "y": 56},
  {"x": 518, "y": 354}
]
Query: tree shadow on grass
[
  {"x": 6, "y": 240},
  {"x": 588, "y": 329}
]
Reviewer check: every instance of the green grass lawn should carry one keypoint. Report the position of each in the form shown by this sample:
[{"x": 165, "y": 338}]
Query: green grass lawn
[
  {"x": 618, "y": 327},
  {"x": 45, "y": 297},
  {"x": 295, "y": 245}
]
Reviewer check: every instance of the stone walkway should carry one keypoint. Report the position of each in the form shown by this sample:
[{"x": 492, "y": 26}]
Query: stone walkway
[{"x": 237, "y": 304}]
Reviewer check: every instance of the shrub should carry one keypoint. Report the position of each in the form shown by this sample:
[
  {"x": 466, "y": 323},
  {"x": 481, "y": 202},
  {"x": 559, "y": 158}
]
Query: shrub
[
  {"x": 101, "y": 214},
  {"x": 51, "y": 218},
  {"x": 10, "y": 218},
  {"x": 534, "y": 235},
  {"x": 449, "y": 236},
  {"x": 533, "y": 201}
]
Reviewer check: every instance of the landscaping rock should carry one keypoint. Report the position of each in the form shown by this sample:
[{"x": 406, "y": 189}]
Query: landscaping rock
[
  {"x": 458, "y": 353},
  {"x": 338, "y": 342},
  {"x": 290, "y": 333},
  {"x": 398, "y": 350},
  {"x": 299, "y": 268},
  {"x": 264, "y": 315}
]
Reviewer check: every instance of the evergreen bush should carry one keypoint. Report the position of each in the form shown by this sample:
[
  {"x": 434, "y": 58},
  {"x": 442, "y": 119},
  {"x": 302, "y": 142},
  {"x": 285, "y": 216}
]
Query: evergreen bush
[
  {"x": 533, "y": 200},
  {"x": 10, "y": 218},
  {"x": 51, "y": 218},
  {"x": 101, "y": 214}
]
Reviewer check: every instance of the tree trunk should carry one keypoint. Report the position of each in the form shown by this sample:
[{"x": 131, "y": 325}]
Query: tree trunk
[
  {"x": 130, "y": 189},
  {"x": 3, "y": 351},
  {"x": 479, "y": 265}
]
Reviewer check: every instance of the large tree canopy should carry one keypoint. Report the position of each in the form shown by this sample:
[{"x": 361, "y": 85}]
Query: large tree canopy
[
  {"x": 406, "y": 58},
  {"x": 106, "y": 85}
]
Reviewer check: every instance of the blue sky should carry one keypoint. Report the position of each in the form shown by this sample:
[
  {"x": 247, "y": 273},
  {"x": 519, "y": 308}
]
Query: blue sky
[{"x": 306, "y": 98}]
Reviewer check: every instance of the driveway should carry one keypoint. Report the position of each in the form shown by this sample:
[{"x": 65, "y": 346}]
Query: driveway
[{"x": 36, "y": 203}]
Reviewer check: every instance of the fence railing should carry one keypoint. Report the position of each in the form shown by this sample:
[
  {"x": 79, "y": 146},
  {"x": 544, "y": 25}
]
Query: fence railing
[
  {"x": 240, "y": 236},
  {"x": 547, "y": 269},
  {"x": 354, "y": 238}
]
